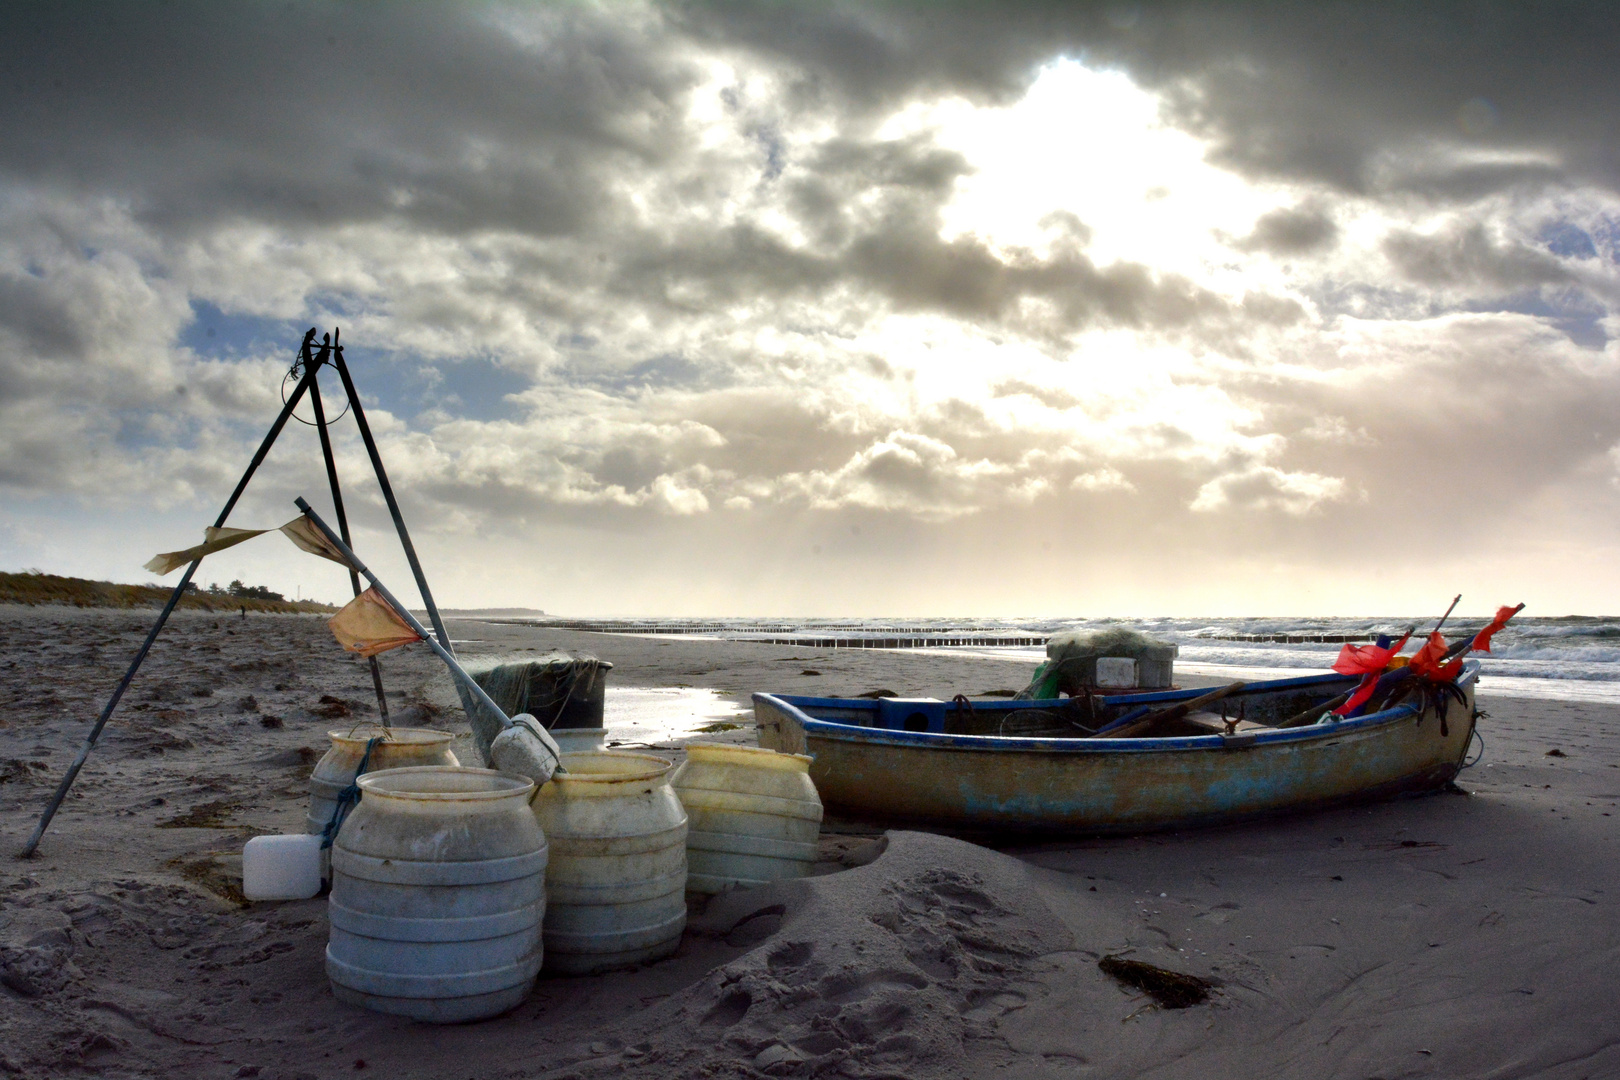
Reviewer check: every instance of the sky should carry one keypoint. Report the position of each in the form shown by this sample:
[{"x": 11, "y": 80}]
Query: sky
[{"x": 828, "y": 309}]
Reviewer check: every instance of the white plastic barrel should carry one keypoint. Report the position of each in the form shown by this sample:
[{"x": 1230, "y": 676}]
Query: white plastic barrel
[
  {"x": 753, "y": 815},
  {"x": 438, "y": 890},
  {"x": 616, "y": 888},
  {"x": 583, "y": 740},
  {"x": 402, "y": 748}
]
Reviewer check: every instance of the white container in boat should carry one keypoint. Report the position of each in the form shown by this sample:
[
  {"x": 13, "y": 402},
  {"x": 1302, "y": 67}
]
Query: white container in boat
[
  {"x": 753, "y": 816},
  {"x": 401, "y": 748},
  {"x": 438, "y": 890},
  {"x": 281, "y": 867},
  {"x": 616, "y": 888},
  {"x": 1118, "y": 672}
]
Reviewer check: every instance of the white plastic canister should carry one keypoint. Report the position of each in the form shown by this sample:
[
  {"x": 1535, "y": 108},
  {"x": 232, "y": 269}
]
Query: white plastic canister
[
  {"x": 399, "y": 749},
  {"x": 282, "y": 867},
  {"x": 438, "y": 889},
  {"x": 754, "y": 815},
  {"x": 616, "y": 889}
]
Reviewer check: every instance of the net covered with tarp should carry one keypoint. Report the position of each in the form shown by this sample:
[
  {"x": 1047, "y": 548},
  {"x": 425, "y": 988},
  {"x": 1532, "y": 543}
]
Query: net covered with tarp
[
  {"x": 1071, "y": 661},
  {"x": 561, "y": 690}
]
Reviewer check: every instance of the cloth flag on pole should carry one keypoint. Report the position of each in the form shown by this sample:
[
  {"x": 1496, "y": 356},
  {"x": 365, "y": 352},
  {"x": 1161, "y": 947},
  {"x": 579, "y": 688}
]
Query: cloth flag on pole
[
  {"x": 1427, "y": 662},
  {"x": 302, "y": 531},
  {"x": 1368, "y": 661},
  {"x": 1482, "y": 640},
  {"x": 368, "y": 625},
  {"x": 213, "y": 540}
]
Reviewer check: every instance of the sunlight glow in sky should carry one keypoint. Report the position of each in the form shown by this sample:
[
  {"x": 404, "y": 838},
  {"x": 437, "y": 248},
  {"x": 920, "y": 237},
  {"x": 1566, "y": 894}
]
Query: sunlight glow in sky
[{"x": 811, "y": 309}]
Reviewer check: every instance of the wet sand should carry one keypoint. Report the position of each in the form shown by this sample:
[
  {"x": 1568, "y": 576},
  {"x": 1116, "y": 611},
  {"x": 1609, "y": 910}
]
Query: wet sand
[{"x": 1448, "y": 936}]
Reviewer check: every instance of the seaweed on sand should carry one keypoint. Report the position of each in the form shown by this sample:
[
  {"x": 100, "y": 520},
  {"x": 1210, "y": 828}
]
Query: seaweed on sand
[
  {"x": 1171, "y": 989},
  {"x": 208, "y": 815}
]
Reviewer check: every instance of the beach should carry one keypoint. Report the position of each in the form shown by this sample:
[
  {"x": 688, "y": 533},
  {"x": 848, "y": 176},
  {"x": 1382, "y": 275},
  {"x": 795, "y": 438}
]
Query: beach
[{"x": 1465, "y": 934}]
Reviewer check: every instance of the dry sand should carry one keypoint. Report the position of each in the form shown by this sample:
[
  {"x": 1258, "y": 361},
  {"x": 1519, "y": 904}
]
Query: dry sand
[{"x": 1450, "y": 936}]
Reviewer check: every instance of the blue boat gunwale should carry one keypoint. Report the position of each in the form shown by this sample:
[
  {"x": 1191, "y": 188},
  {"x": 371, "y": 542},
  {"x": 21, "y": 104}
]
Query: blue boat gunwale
[{"x": 795, "y": 706}]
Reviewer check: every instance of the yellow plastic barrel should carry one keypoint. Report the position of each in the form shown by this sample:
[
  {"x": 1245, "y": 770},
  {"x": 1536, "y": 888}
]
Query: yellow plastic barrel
[
  {"x": 438, "y": 891},
  {"x": 754, "y": 816},
  {"x": 403, "y": 748},
  {"x": 616, "y": 888}
]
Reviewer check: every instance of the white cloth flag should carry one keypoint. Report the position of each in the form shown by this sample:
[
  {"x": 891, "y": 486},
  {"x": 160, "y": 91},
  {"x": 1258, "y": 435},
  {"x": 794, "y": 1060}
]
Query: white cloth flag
[
  {"x": 300, "y": 530},
  {"x": 213, "y": 540}
]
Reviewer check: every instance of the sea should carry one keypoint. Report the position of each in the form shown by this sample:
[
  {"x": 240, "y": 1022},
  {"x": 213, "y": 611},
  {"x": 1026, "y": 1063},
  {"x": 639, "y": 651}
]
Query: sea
[{"x": 1574, "y": 658}]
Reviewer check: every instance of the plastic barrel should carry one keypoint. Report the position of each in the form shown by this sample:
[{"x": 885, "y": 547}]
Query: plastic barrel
[
  {"x": 438, "y": 890},
  {"x": 616, "y": 890},
  {"x": 335, "y": 771},
  {"x": 754, "y": 816}
]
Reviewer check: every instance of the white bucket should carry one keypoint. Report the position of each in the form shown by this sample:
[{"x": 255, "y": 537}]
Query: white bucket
[
  {"x": 438, "y": 889},
  {"x": 754, "y": 816},
  {"x": 616, "y": 889}
]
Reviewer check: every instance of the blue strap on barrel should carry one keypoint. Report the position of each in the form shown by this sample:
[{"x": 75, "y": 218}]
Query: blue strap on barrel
[{"x": 348, "y": 798}]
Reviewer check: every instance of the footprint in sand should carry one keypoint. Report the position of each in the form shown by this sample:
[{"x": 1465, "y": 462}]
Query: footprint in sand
[{"x": 985, "y": 1006}]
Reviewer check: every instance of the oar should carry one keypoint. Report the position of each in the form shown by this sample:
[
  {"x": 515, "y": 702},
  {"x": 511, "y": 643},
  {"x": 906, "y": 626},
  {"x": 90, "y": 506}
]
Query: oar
[
  {"x": 456, "y": 670},
  {"x": 1174, "y": 712},
  {"x": 1316, "y": 712}
]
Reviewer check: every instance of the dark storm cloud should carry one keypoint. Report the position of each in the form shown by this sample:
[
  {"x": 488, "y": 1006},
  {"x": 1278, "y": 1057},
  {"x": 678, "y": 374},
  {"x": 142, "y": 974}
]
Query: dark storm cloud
[
  {"x": 872, "y": 209},
  {"x": 42, "y": 322},
  {"x": 1467, "y": 255},
  {"x": 467, "y": 119},
  {"x": 448, "y": 117},
  {"x": 1293, "y": 230},
  {"x": 1315, "y": 91}
]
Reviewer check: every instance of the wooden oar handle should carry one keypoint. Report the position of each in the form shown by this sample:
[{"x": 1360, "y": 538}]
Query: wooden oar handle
[
  {"x": 1316, "y": 712},
  {"x": 1174, "y": 712}
]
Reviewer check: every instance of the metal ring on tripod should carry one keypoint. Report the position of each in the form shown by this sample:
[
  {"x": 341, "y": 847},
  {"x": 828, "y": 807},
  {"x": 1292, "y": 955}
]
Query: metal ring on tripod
[{"x": 294, "y": 374}]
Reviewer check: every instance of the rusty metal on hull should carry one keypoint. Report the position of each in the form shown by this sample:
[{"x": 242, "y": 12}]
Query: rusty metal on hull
[{"x": 1103, "y": 785}]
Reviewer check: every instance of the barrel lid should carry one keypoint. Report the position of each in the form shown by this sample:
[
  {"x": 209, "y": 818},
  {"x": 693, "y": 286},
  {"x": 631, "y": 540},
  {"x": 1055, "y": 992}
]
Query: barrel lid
[
  {"x": 361, "y": 734},
  {"x": 610, "y": 767},
  {"x": 757, "y": 756},
  {"x": 445, "y": 783}
]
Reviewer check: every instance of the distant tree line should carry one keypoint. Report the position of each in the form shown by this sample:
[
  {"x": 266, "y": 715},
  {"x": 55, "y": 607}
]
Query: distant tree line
[{"x": 236, "y": 588}]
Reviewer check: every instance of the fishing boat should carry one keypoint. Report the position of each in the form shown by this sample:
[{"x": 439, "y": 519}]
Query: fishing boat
[{"x": 1011, "y": 766}]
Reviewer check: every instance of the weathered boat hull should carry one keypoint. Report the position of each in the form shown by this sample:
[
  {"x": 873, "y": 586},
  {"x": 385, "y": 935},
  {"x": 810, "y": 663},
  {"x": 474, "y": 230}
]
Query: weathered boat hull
[{"x": 1103, "y": 785}]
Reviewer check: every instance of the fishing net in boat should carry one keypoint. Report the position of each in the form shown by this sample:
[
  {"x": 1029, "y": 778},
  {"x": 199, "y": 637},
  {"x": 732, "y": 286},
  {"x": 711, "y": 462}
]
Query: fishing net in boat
[{"x": 1071, "y": 660}]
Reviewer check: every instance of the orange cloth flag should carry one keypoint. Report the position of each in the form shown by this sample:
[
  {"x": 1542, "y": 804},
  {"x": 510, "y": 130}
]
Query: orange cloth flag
[
  {"x": 1366, "y": 659},
  {"x": 368, "y": 625},
  {"x": 1482, "y": 640},
  {"x": 1426, "y": 662}
]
